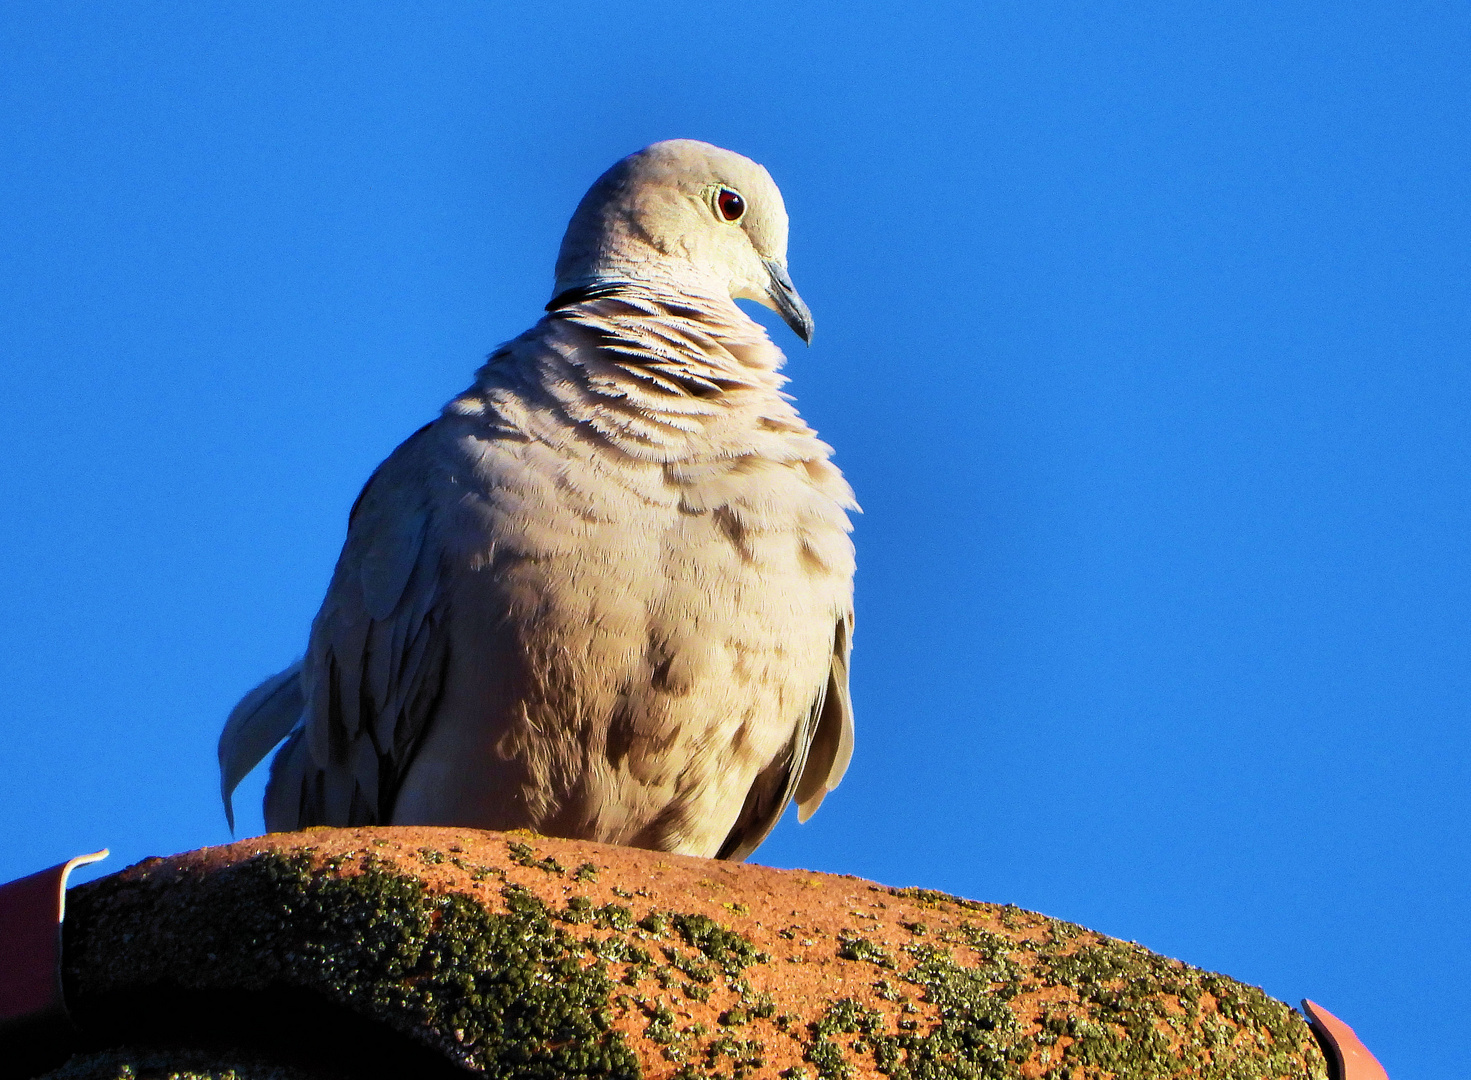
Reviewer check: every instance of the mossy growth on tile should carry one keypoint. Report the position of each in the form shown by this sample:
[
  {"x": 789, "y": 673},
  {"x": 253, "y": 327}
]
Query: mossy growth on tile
[
  {"x": 510, "y": 994},
  {"x": 550, "y": 988},
  {"x": 1124, "y": 1012},
  {"x": 129, "y": 1063},
  {"x": 525, "y": 855},
  {"x": 857, "y": 948},
  {"x": 725, "y": 948}
]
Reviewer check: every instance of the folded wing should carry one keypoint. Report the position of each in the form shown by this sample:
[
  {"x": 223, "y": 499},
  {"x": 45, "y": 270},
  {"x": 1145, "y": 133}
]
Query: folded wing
[{"x": 815, "y": 763}]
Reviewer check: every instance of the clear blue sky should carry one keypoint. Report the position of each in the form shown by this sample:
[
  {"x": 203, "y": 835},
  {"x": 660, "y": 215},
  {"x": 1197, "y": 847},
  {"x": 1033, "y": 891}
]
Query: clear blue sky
[{"x": 1142, "y": 333}]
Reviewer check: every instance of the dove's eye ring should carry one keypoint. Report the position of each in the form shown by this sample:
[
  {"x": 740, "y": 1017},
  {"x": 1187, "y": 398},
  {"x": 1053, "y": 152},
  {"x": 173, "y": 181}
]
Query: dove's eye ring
[{"x": 729, "y": 204}]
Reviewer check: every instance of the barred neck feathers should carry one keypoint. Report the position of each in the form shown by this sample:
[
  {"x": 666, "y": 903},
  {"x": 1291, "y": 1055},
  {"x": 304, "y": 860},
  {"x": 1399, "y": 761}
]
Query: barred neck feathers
[
  {"x": 682, "y": 340},
  {"x": 663, "y": 374}
]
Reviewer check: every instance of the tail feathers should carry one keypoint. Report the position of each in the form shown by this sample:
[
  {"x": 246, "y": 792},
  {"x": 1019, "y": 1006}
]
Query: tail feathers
[{"x": 263, "y": 718}]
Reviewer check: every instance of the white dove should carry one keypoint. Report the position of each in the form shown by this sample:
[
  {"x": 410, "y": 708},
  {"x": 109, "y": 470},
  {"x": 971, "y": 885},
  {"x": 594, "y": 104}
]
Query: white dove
[{"x": 608, "y": 593}]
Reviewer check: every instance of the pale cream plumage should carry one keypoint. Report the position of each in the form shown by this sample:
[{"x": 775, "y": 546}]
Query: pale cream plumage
[{"x": 607, "y": 594}]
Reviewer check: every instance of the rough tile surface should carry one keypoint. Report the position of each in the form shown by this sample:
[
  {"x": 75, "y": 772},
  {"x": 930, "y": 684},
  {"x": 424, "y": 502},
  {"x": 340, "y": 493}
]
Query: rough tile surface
[{"x": 524, "y": 956}]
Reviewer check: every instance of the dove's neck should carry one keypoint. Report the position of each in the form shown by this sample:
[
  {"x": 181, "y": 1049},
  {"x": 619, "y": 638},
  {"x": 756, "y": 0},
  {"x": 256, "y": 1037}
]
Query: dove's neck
[
  {"x": 642, "y": 271},
  {"x": 669, "y": 313},
  {"x": 666, "y": 370}
]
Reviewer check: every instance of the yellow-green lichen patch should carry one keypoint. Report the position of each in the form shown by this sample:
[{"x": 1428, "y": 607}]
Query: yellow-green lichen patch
[
  {"x": 511, "y": 994},
  {"x": 932, "y": 898}
]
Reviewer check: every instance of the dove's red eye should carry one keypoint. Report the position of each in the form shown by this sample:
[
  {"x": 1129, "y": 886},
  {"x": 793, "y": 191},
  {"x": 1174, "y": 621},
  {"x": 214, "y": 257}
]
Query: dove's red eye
[{"x": 730, "y": 204}]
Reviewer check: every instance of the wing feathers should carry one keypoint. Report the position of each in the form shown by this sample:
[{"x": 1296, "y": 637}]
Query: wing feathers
[
  {"x": 816, "y": 760},
  {"x": 388, "y": 562},
  {"x": 288, "y": 805},
  {"x": 263, "y": 718},
  {"x": 832, "y": 744},
  {"x": 378, "y": 646}
]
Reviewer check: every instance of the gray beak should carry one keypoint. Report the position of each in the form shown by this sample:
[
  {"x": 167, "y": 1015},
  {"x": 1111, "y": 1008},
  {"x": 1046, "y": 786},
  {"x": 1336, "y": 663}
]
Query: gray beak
[{"x": 784, "y": 295}]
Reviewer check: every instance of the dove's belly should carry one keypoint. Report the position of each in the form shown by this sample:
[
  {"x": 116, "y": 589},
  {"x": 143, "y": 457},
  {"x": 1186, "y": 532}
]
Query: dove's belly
[{"x": 626, "y": 667}]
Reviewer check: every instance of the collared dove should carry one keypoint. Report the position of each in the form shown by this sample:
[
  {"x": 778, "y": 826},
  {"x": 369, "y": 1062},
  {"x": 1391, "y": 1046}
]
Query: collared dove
[{"x": 607, "y": 594}]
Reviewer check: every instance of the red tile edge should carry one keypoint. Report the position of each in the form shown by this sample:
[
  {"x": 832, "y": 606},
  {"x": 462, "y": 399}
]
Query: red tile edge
[
  {"x": 33, "y": 1018},
  {"x": 1348, "y": 1058}
]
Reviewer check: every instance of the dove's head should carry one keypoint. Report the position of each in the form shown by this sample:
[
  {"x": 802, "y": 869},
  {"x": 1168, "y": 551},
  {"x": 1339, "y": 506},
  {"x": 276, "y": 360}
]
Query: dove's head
[{"x": 682, "y": 207}]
